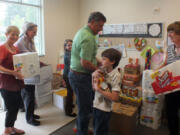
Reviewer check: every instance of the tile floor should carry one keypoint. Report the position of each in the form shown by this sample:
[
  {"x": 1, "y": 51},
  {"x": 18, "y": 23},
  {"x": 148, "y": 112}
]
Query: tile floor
[{"x": 52, "y": 118}]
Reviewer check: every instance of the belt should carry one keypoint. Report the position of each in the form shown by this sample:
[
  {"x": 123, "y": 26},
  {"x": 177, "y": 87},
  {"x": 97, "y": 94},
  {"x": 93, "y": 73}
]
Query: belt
[{"x": 79, "y": 73}]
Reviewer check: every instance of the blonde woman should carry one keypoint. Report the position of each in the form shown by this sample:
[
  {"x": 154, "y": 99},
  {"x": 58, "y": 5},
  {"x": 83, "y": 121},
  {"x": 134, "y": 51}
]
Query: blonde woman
[{"x": 10, "y": 81}]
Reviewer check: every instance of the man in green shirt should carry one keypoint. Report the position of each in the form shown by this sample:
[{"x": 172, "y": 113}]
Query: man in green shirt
[{"x": 83, "y": 63}]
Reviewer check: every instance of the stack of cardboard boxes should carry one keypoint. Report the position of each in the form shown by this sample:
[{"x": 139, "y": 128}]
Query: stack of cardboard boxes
[
  {"x": 29, "y": 66},
  {"x": 131, "y": 91}
]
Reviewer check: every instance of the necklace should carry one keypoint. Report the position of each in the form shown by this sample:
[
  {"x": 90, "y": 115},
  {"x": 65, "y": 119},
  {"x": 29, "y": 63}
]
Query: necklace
[{"x": 11, "y": 48}]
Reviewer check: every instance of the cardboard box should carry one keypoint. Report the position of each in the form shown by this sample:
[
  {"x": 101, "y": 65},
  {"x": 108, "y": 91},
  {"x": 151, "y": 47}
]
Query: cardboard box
[
  {"x": 42, "y": 89},
  {"x": 124, "y": 119},
  {"x": 44, "y": 99},
  {"x": 33, "y": 80},
  {"x": 44, "y": 77},
  {"x": 57, "y": 81},
  {"x": 27, "y": 63},
  {"x": 59, "y": 98},
  {"x": 46, "y": 74}
]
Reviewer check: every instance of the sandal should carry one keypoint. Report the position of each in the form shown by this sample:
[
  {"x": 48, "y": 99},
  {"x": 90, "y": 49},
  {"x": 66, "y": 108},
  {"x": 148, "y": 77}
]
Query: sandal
[
  {"x": 8, "y": 131},
  {"x": 18, "y": 131}
]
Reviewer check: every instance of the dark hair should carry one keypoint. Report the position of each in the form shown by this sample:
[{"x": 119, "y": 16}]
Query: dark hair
[
  {"x": 113, "y": 55},
  {"x": 96, "y": 16},
  {"x": 175, "y": 27},
  {"x": 66, "y": 41}
]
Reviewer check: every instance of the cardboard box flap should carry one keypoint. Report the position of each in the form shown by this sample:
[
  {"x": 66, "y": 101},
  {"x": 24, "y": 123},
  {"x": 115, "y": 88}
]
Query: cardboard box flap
[
  {"x": 61, "y": 92},
  {"x": 125, "y": 109}
]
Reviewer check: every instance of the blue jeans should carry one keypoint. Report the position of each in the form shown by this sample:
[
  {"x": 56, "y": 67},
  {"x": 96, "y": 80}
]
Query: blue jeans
[
  {"x": 101, "y": 122},
  {"x": 82, "y": 86}
]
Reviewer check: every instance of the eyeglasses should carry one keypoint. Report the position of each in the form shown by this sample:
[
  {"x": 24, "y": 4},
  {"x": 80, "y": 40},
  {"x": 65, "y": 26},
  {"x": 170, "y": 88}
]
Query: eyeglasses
[{"x": 69, "y": 45}]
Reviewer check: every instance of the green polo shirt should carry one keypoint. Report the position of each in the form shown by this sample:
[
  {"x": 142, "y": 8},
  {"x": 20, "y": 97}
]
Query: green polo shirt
[{"x": 84, "y": 47}]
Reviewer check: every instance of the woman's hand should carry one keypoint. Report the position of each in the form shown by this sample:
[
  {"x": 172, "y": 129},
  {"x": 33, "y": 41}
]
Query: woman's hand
[
  {"x": 18, "y": 75},
  {"x": 64, "y": 83}
]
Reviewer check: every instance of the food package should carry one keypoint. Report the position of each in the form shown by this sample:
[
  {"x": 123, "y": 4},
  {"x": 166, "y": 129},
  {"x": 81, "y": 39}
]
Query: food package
[
  {"x": 57, "y": 81},
  {"x": 132, "y": 77},
  {"x": 150, "y": 118},
  {"x": 27, "y": 63},
  {"x": 132, "y": 69},
  {"x": 128, "y": 83},
  {"x": 164, "y": 80}
]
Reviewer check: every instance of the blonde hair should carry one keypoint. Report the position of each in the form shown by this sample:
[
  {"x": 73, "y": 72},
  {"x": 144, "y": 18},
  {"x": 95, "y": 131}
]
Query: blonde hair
[
  {"x": 12, "y": 29},
  {"x": 28, "y": 26}
]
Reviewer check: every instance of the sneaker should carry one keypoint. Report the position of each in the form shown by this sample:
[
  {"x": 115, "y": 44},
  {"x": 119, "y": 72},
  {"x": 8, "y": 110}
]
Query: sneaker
[
  {"x": 73, "y": 105},
  {"x": 71, "y": 115},
  {"x": 34, "y": 122},
  {"x": 22, "y": 109},
  {"x": 90, "y": 131},
  {"x": 36, "y": 116}
]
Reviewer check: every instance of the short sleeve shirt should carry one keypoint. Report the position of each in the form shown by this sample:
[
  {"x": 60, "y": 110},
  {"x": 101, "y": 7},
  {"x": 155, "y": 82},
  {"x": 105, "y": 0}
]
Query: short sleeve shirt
[
  {"x": 84, "y": 47},
  {"x": 172, "y": 57},
  {"x": 102, "y": 103},
  {"x": 25, "y": 45},
  {"x": 8, "y": 82}
]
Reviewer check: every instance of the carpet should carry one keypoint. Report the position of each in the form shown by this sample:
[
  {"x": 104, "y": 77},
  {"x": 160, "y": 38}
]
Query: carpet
[
  {"x": 141, "y": 130},
  {"x": 67, "y": 129}
]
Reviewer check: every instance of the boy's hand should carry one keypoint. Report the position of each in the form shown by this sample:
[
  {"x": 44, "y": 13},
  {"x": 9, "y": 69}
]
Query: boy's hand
[
  {"x": 96, "y": 83},
  {"x": 96, "y": 74}
]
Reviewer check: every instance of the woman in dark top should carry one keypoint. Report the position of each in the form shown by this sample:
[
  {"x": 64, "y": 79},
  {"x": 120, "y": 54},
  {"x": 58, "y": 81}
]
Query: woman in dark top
[
  {"x": 10, "y": 81},
  {"x": 69, "y": 99}
]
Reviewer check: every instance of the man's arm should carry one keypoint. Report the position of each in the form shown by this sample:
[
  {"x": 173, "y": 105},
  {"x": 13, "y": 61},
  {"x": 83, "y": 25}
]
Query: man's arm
[
  {"x": 88, "y": 65},
  {"x": 98, "y": 62}
]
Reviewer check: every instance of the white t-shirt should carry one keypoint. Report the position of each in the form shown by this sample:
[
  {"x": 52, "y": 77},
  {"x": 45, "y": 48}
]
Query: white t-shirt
[{"x": 113, "y": 79}]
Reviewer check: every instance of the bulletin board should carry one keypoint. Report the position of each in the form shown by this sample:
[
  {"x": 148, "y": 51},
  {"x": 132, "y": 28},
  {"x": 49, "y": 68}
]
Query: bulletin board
[
  {"x": 130, "y": 52},
  {"x": 147, "y": 30}
]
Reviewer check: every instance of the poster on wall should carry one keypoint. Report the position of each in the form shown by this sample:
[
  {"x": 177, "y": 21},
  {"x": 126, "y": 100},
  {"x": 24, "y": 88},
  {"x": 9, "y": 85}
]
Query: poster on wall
[{"x": 148, "y": 30}]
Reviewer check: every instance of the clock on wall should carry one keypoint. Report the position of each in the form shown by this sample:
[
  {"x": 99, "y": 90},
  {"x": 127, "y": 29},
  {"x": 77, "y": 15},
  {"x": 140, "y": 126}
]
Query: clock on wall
[{"x": 155, "y": 29}]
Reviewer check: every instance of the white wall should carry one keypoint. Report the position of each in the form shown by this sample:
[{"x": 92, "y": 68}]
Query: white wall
[
  {"x": 132, "y": 11},
  {"x": 61, "y": 21},
  {"x": 64, "y": 17}
]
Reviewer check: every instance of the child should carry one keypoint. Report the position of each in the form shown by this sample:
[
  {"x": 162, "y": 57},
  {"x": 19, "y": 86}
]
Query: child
[
  {"x": 107, "y": 91},
  {"x": 69, "y": 99}
]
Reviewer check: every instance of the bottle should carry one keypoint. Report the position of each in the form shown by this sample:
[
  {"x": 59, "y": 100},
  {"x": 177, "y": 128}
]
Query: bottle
[{"x": 58, "y": 69}]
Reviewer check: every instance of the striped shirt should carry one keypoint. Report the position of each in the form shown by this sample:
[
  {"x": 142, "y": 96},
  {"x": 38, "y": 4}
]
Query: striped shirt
[{"x": 171, "y": 54}]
